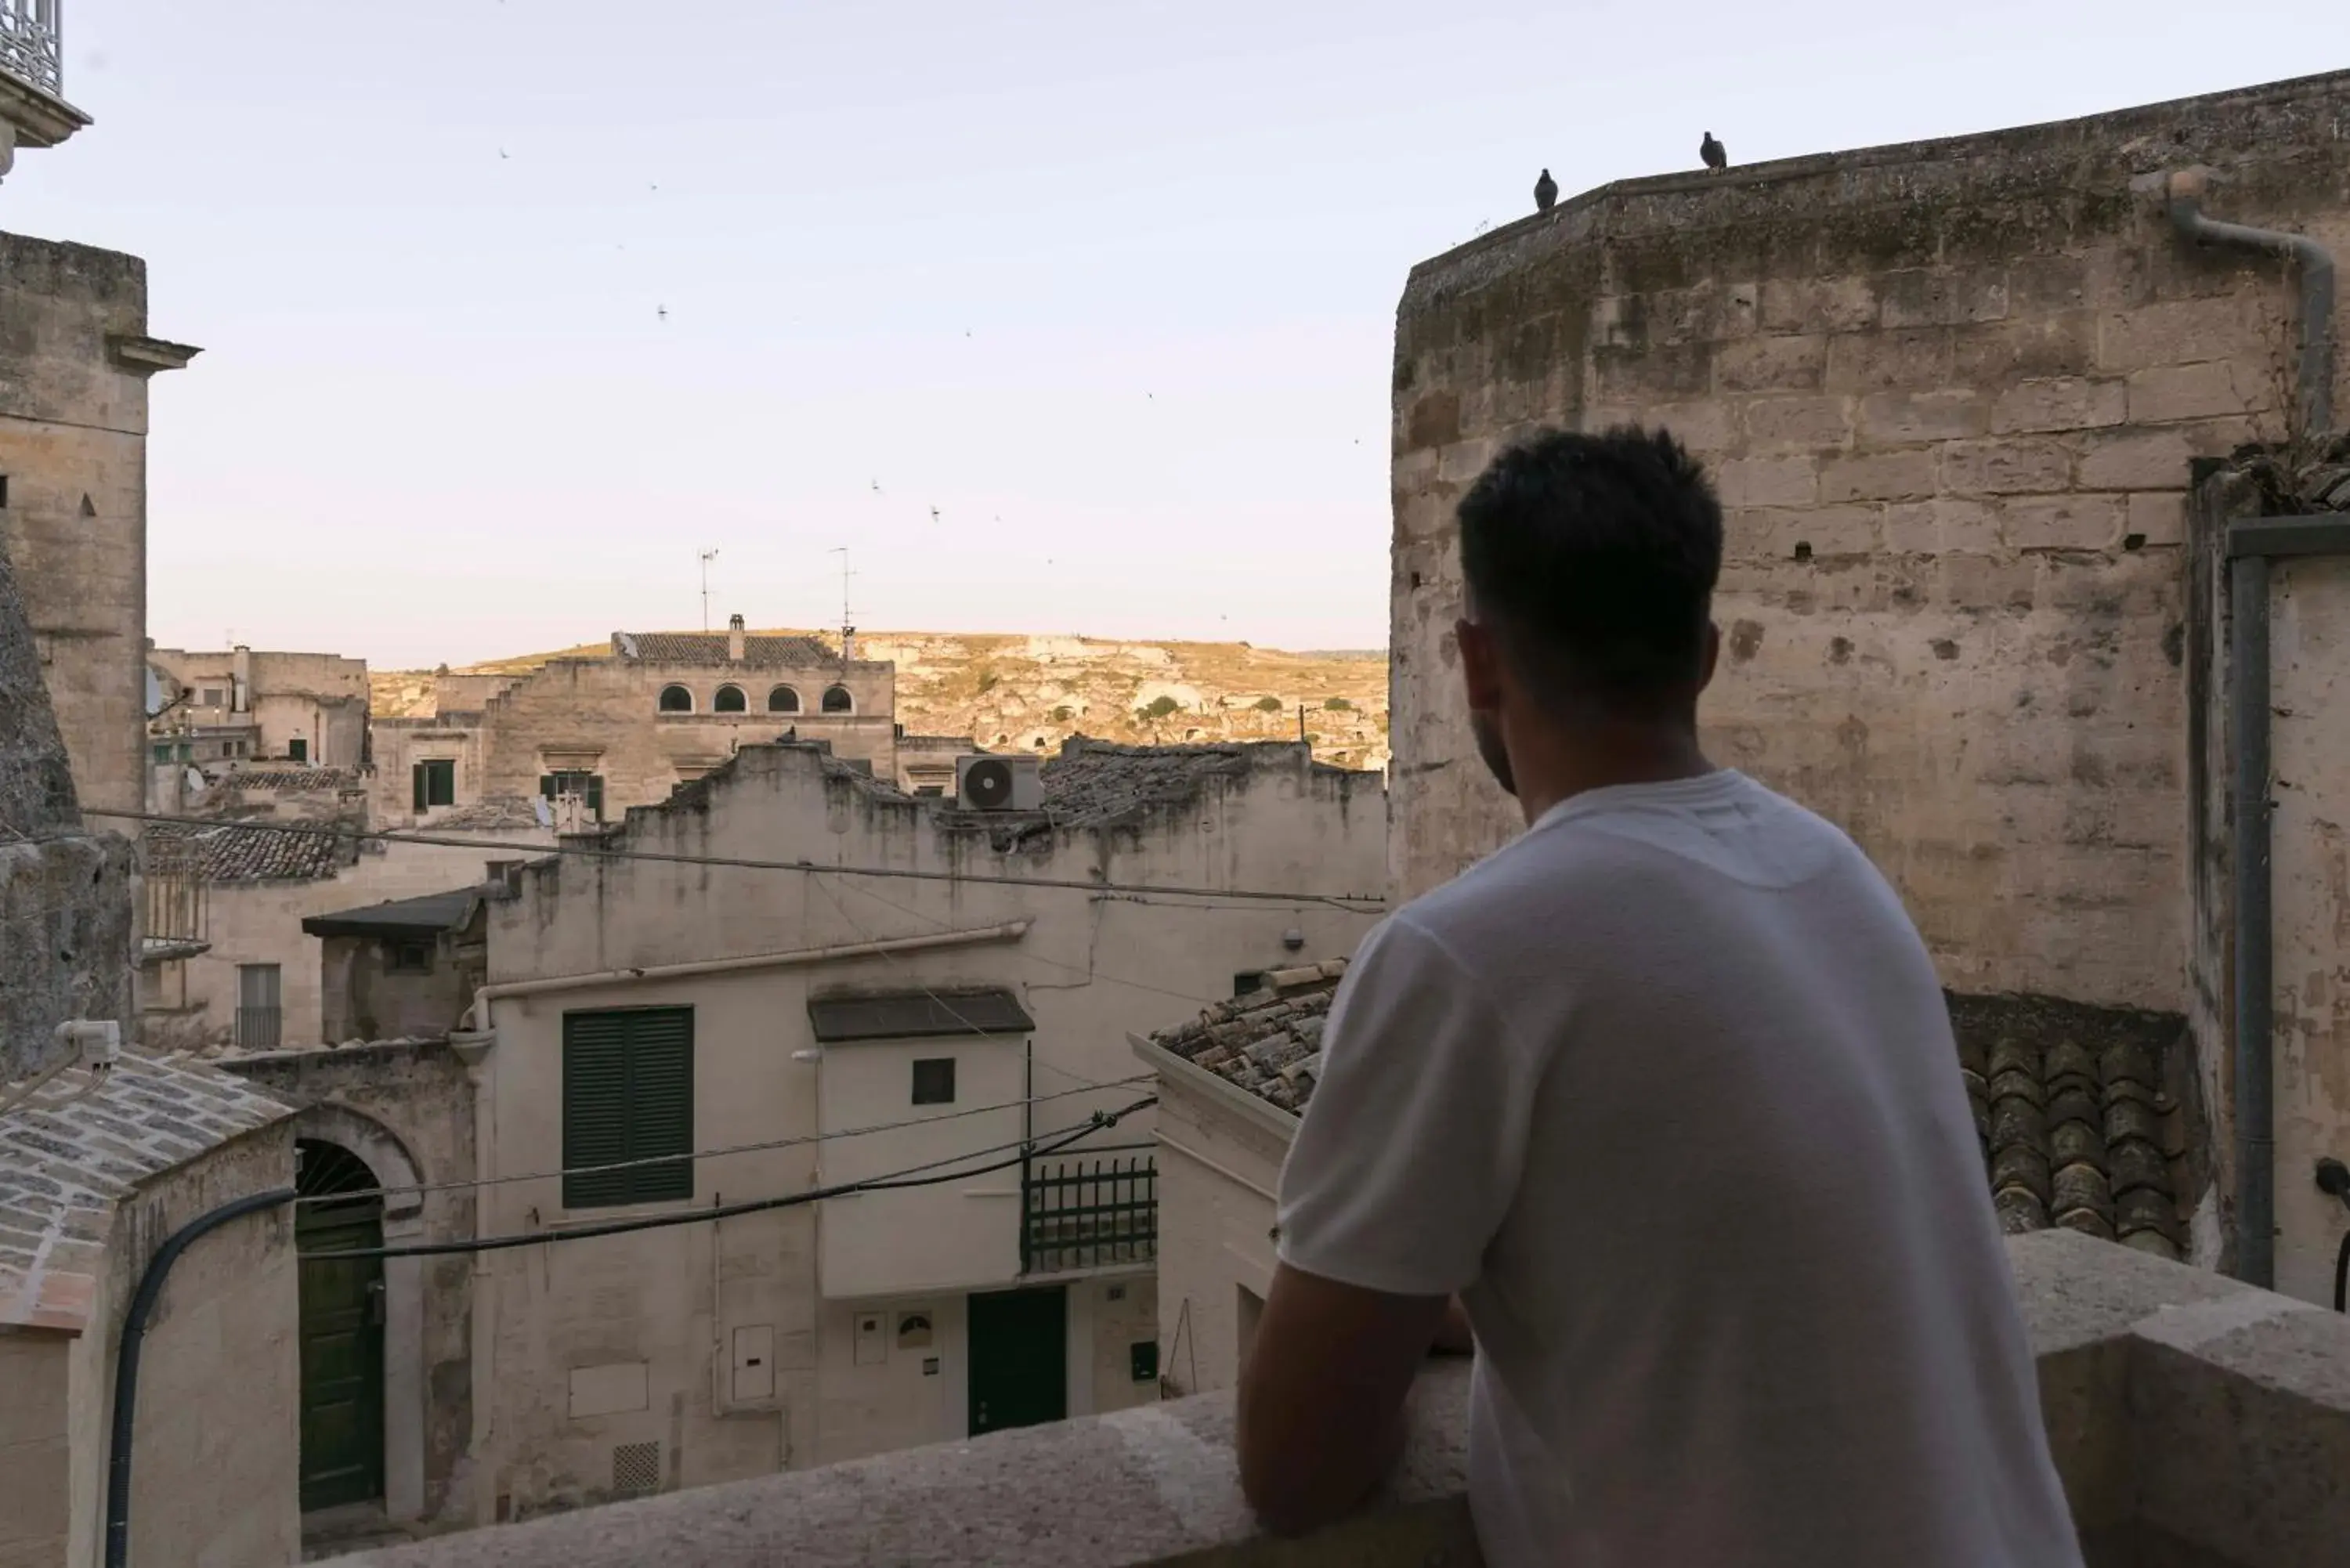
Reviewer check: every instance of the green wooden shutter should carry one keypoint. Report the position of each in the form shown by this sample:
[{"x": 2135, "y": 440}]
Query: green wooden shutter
[
  {"x": 628, "y": 1094},
  {"x": 595, "y": 797},
  {"x": 661, "y": 1094},
  {"x": 546, "y": 787},
  {"x": 416, "y": 776},
  {"x": 595, "y": 1106}
]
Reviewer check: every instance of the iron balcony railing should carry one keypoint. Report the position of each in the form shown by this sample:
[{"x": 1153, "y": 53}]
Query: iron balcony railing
[
  {"x": 29, "y": 43},
  {"x": 1089, "y": 1211},
  {"x": 257, "y": 1028}
]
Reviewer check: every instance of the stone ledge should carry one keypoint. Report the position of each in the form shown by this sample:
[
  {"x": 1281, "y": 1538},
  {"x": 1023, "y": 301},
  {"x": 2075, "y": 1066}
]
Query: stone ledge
[{"x": 2194, "y": 1420}]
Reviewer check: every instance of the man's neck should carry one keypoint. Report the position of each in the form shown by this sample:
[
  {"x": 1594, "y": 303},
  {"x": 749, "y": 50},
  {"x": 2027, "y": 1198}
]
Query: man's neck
[{"x": 1602, "y": 755}]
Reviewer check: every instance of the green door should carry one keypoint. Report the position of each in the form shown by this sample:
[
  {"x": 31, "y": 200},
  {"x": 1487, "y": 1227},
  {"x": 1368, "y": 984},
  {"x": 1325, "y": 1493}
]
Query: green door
[
  {"x": 342, "y": 1338},
  {"x": 1019, "y": 1358}
]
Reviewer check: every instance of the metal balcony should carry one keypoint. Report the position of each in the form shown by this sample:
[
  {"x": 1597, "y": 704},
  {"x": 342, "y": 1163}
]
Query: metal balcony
[{"x": 31, "y": 48}]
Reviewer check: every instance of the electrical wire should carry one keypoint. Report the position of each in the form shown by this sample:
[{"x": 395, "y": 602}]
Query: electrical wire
[
  {"x": 479, "y": 1181},
  {"x": 1350, "y": 901},
  {"x": 909, "y": 1177}
]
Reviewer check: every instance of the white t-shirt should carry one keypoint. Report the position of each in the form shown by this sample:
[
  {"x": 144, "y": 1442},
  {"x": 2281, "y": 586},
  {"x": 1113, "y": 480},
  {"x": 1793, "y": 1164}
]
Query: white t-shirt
[{"x": 1666, "y": 1089}]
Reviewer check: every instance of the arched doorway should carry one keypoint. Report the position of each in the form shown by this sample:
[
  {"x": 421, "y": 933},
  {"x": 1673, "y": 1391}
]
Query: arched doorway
[{"x": 342, "y": 1327}]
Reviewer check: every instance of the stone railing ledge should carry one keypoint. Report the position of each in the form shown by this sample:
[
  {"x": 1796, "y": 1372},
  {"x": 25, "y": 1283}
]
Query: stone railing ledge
[
  {"x": 1154, "y": 1485},
  {"x": 2194, "y": 1420}
]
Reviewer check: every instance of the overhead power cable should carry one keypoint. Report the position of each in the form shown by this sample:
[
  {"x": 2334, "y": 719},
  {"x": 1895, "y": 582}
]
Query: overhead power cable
[
  {"x": 1359, "y": 902},
  {"x": 479, "y": 1181},
  {"x": 909, "y": 1177}
]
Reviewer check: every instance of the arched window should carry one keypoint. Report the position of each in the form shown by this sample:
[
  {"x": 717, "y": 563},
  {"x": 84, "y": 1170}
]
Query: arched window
[
  {"x": 836, "y": 700},
  {"x": 783, "y": 699},
  {"x": 676, "y": 700},
  {"x": 729, "y": 701}
]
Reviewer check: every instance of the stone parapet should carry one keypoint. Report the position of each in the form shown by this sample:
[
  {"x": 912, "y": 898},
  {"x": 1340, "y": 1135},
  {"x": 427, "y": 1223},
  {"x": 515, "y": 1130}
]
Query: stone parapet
[{"x": 2195, "y": 1421}]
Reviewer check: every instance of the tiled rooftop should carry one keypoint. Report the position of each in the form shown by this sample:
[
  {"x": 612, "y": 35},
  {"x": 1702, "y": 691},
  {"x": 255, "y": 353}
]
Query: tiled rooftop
[
  {"x": 1268, "y": 1042},
  {"x": 1095, "y": 784},
  {"x": 241, "y": 852},
  {"x": 291, "y": 779},
  {"x": 63, "y": 1166},
  {"x": 2069, "y": 1102},
  {"x": 709, "y": 648}
]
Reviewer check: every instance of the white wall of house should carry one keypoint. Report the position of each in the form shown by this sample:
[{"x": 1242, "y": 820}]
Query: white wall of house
[
  {"x": 655, "y": 1321},
  {"x": 1220, "y": 1156}
]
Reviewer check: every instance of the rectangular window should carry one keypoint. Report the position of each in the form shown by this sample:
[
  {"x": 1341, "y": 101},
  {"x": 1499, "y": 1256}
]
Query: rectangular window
[
  {"x": 934, "y": 1080},
  {"x": 434, "y": 783},
  {"x": 163, "y": 752},
  {"x": 211, "y": 696},
  {"x": 413, "y": 956},
  {"x": 590, "y": 785},
  {"x": 628, "y": 1094},
  {"x": 1248, "y": 980},
  {"x": 258, "y": 1012},
  {"x": 298, "y": 749}
]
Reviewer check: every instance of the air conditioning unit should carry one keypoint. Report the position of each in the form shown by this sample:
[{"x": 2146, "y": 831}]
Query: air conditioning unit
[{"x": 1000, "y": 784}]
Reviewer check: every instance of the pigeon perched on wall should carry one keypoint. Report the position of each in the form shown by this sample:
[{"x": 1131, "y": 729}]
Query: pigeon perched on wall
[
  {"x": 1546, "y": 192},
  {"x": 1716, "y": 156}
]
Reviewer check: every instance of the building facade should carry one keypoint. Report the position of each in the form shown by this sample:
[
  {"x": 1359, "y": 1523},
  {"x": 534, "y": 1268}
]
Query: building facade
[
  {"x": 822, "y": 1031},
  {"x": 306, "y": 709},
  {"x": 661, "y": 710}
]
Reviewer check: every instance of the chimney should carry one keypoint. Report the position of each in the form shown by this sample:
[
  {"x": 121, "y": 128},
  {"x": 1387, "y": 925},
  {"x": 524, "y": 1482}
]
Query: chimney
[
  {"x": 735, "y": 638},
  {"x": 240, "y": 680}
]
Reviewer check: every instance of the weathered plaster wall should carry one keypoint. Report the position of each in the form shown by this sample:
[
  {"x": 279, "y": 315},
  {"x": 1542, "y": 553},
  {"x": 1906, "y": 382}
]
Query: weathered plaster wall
[
  {"x": 407, "y": 1110},
  {"x": 2310, "y": 839},
  {"x": 73, "y": 447},
  {"x": 1951, "y": 393},
  {"x": 35, "y": 1451},
  {"x": 670, "y": 1301},
  {"x": 218, "y": 1430},
  {"x": 1219, "y": 1172},
  {"x": 365, "y": 997}
]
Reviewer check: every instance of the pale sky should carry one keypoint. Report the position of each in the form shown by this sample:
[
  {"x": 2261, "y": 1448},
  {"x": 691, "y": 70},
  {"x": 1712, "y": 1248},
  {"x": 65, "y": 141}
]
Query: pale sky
[{"x": 1110, "y": 286}]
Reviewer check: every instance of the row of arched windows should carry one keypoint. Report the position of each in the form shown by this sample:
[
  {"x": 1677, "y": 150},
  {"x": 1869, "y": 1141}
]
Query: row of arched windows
[{"x": 730, "y": 699}]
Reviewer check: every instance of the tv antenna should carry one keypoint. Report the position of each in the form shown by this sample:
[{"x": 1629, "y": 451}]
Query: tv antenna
[
  {"x": 847, "y": 621},
  {"x": 707, "y": 557}
]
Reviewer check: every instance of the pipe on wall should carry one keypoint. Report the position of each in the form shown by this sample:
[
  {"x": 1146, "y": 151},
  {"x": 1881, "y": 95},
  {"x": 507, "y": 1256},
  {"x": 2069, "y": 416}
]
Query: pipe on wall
[
  {"x": 126, "y": 1357},
  {"x": 2313, "y": 364},
  {"x": 2252, "y": 1101},
  {"x": 2254, "y": 1095}
]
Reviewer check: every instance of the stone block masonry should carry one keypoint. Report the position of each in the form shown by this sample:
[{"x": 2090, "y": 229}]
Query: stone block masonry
[{"x": 1952, "y": 394}]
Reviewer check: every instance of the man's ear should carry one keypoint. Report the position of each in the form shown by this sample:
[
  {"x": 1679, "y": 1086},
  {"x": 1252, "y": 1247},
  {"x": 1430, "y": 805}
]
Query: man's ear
[
  {"x": 1481, "y": 664},
  {"x": 1708, "y": 654}
]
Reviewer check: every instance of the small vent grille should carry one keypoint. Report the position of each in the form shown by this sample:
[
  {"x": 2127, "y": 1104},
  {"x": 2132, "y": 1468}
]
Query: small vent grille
[{"x": 636, "y": 1468}]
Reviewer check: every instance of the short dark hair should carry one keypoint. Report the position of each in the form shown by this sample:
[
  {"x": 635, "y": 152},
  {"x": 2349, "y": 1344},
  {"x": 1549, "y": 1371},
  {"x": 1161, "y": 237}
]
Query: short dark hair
[{"x": 1594, "y": 557}]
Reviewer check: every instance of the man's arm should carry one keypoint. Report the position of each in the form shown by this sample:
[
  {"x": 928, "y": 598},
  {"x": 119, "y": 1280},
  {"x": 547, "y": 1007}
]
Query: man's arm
[{"x": 1322, "y": 1397}]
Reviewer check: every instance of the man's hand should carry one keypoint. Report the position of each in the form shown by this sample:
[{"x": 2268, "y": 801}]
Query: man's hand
[{"x": 1322, "y": 1396}]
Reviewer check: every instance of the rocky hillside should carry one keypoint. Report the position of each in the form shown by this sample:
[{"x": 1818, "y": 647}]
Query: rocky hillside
[{"x": 1033, "y": 692}]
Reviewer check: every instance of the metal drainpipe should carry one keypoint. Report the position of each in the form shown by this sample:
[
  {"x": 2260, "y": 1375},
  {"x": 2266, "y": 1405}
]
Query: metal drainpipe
[
  {"x": 126, "y": 1358},
  {"x": 2252, "y": 1101},
  {"x": 2314, "y": 368}
]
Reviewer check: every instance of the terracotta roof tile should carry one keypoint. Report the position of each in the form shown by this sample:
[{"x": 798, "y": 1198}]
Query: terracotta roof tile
[
  {"x": 246, "y": 852},
  {"x": 701, "y": 647},
  {"x": 2069, "y": 1102}
]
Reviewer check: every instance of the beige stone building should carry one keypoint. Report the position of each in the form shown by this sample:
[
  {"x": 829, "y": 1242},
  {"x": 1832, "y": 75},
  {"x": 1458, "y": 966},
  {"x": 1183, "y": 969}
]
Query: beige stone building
[
  {"x": 228, "y": 964},
  {"x": 239, "y": 706},
  {"x": 1956, "y": 396},
  {"x": 847, "y": 1026},
  {"x": 622, "y": 730},
  {"x": 73, "y": 491}
]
